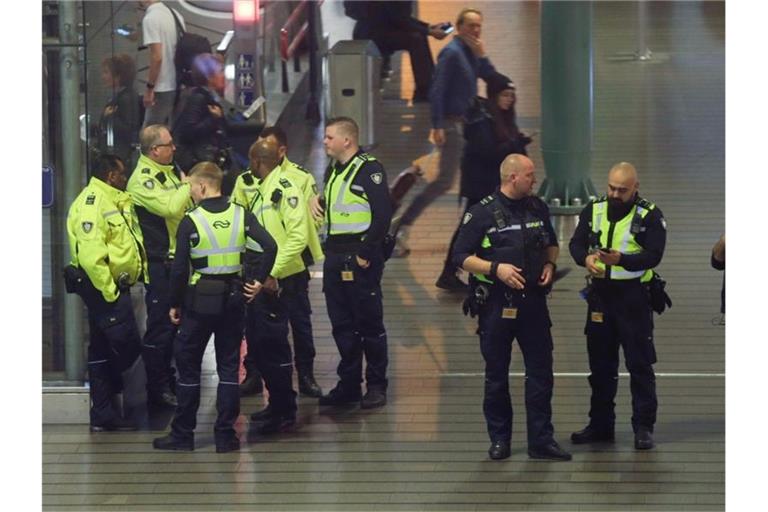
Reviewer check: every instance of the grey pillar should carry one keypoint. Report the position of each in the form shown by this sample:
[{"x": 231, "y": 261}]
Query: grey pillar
[
  {"x": 72, "y": 177},
  {"x": 566, "y": 103}
]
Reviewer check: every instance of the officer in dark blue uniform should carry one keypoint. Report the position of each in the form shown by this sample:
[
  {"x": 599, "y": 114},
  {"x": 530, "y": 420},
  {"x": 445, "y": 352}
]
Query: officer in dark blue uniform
[
  {"x": 507, "y": 242},
  {"x": 218, "y": 239},
  {"x": 619, "y": 239},
  {"x": 357, "y": 214}
]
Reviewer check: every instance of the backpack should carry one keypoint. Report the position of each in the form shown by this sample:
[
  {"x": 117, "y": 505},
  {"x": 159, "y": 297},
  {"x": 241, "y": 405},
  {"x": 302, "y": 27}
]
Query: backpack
[{"x": 188, "y": 47}]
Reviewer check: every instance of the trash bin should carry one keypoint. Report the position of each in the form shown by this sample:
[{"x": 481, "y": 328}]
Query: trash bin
[{"x": 354, "y": 85}]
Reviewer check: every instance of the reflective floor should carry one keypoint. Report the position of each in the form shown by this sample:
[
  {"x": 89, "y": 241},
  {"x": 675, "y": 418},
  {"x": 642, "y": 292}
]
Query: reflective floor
[{"x": 426, "y": 450}]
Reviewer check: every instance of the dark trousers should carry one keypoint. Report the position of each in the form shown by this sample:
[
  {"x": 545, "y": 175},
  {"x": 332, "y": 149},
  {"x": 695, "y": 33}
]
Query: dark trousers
[
  {"x": 450, "y": 156},
  {"x": 415, "y": 43},
  {"x": 158, "y": 339},
  {"x": 357, "y": 319},
  {"x": 627, "y": 322},
  {"x": 266, "y": 335},
  {"x": 295, "y": 295},
  {"x": 114, "y": 346},
  {"x": 191, "y": 340},
  {"x": 531, "y": 329}
]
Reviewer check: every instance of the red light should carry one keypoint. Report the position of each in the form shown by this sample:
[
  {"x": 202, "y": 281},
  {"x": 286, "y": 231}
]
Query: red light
[{"x": 246, "y": 11}]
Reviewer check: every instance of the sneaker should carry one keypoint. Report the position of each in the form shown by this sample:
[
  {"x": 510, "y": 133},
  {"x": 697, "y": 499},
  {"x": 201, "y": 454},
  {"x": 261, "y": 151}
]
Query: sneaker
[
  {"x": 170, "y": 442},
  {"x": 450, "y": 282}
]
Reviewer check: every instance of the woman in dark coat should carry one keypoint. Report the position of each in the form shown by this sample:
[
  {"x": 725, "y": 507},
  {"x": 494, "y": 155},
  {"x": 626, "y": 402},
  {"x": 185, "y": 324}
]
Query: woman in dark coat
[
  {"x": 120, "y": 120},
  {"x": 491, "y": 133}
]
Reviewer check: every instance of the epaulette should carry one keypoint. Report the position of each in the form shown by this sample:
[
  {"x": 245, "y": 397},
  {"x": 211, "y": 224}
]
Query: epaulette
[
  {"x": 160, "y": 176},
  {"x": 285, "y": 183},
  {"x": 248, "y": 178},
  {"x": 299, "y": 167},
  {"x": 644, "y": 203},
  {"x": 146, "y": 170},
  {"x": 600, "y": 199},
  {"x": 487, "y": 200}
]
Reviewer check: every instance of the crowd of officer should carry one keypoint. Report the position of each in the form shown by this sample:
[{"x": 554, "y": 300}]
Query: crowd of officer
[{"x": 230, "y": 266}]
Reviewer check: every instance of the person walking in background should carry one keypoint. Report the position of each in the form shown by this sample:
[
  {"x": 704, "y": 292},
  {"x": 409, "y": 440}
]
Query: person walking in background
[
  {"x": 491, "y": 133},
  {"x": 454, "y": 87}
]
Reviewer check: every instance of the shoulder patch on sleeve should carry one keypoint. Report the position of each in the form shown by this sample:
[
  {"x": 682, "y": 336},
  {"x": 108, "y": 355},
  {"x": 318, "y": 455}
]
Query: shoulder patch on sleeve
[
  {"x": 377, "y": 178},
  {"x": 467, "y": 218},
  {"x": 293, "y": 201},
  {"x": 87, "y": 227},
  {"x": 149, "y": 184}
]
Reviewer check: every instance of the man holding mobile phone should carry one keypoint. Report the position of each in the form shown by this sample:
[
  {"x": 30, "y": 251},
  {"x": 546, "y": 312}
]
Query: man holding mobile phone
[
  {"x": 392, "y": 27},
  {"x": 631, "y": 235}
]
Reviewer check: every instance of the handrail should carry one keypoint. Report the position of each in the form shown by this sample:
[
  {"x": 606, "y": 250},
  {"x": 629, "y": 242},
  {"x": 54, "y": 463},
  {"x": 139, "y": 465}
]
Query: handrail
[{"x": 287, "y": 49}]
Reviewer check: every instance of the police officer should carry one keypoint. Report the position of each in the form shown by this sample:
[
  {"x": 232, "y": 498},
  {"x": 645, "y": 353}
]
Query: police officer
[
  {"x": 161, "y": 200},
  {"x": 107, "y": 258},
  {"x": 619, "y": 239},
  {"x": 297, "y": 300},
  {"x": 280, "y": 207},
  {"x": 507, "y": 242},
  {"x": 217, "y": 239},
  {"x": 358, "y": 213}
]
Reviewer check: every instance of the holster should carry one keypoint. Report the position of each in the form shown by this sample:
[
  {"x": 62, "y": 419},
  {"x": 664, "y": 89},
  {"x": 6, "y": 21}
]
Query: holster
[
  {"x": 208, "y": 296},
  {"x": 74, "y": 278},
  {"x": 657, "y": 296},
  {"x": 387, "y": 246}
]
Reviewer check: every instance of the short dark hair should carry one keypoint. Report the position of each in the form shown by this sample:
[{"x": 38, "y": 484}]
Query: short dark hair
[
  {"x": 277, "y": 132},
  {"x": 104, "y": 163},
  {"x": 347, "y": 125},
  {"x": 122, "y": 67}
]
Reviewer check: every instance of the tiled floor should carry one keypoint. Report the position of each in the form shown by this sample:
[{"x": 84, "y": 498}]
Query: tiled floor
[{"x": 427, "y": 449}]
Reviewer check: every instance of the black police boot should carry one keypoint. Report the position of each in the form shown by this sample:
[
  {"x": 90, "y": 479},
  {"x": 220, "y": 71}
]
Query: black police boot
[
  {"x": 115, "y": 425},
  {"x": 164, "y": 398},
  {"x": 307, "y": 384},
  {"x": 643, "y": 439},
  {"x": 338, "y": 397},
  {"x": 499, "y": 450},
  {"x": 262, "y": 415},
  {"x": 277, "y": 423},
  {"x": 252, "y": 385},
  {"x": 170, "y": 442},
  {"x": 230, "y": 444},
  {"x": 448, "y": 280},
  {"x": 592, "y": 435},
  {"x": 375, "y": 397},
  {"x": 549, "y": 451}
]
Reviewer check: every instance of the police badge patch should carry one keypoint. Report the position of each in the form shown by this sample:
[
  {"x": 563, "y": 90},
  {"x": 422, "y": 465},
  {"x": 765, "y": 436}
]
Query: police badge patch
[
  {"x": 293, "y": 202},
  {"x": 87, "y": 226},
  {"x": 377, "y": 178},
  {"x": 149, "y": 184},
  {"x": 467, "y": 218}
]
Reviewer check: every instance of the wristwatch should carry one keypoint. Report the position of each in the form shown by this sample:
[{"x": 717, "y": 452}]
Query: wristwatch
[{"x": 150, "y": 85}]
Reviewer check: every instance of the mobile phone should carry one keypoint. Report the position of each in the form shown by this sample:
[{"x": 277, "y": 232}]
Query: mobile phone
[
  {"x": 447, "y": 28},
  {"x": 605, "y": 249}
]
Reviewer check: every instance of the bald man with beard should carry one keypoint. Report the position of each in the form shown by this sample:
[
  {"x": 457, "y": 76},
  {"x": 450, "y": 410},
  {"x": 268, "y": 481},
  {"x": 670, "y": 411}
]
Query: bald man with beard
[
  {"x": 507, "y": 243},
  {"x": 619, "y": 239}
]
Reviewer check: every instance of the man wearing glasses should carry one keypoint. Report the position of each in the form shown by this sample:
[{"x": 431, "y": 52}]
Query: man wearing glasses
[{"x": 161, "y": 200}]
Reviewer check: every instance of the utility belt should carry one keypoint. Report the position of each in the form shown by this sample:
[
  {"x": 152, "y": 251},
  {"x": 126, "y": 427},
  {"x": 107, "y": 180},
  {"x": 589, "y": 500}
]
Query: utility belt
[
  {"x": 76, "y": 281},
  {"x": 350, "y": 244},
  {"x": 481, "y": 293},
  {"x": 599, "y": 290},
  {"x": 210, "y": 294}
]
